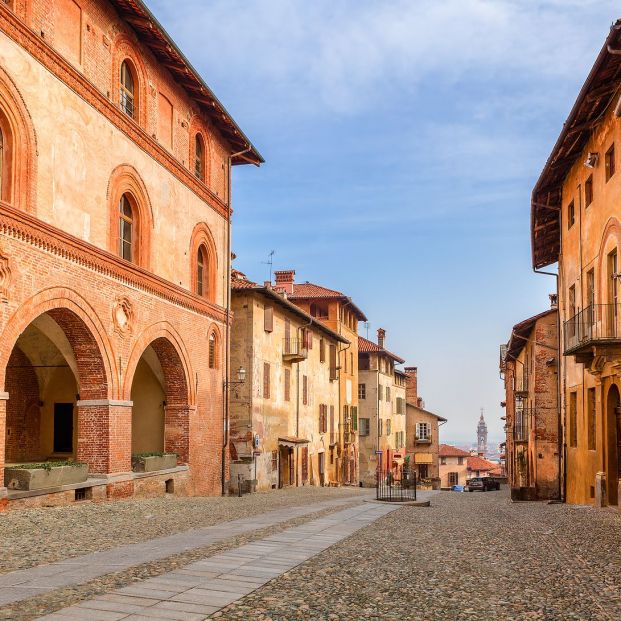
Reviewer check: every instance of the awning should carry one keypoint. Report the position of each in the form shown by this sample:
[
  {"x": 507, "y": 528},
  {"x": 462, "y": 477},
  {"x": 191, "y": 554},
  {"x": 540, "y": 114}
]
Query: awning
[
  {"x": 423, "y": 458},
  {"x": 292, "y": 441}
]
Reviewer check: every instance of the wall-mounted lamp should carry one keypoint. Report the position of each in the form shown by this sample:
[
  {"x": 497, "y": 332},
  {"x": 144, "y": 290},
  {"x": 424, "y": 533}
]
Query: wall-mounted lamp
[
  {"x": 241, "y": 377},
  {"x": 591, "y": 160}
]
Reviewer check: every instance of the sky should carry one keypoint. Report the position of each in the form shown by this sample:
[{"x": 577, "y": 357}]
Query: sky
[{"x": 402, "y": 141}]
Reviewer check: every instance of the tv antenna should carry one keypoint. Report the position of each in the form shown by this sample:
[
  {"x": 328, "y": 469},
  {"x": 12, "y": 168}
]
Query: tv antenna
[
  {"x": 270, "y": 262},
  {"x": 367, "y": 325}
]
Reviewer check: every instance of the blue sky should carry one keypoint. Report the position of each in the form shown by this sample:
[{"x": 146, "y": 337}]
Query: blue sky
[{"x": 402, "y": 140}]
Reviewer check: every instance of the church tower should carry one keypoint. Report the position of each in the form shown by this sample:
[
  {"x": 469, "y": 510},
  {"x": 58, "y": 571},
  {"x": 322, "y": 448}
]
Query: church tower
[{"x": 482, "y": 436}]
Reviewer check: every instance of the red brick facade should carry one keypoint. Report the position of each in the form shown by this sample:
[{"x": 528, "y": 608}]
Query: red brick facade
[{"x": 59, "y": 241}]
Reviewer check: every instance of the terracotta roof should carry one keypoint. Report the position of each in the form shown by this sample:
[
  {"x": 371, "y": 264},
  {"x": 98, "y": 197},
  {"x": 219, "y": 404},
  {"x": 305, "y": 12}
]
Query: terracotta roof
[
  {"x": 446, "y": 450},
  {"x": 597, "y": 93},
  {"x": 366, "y": 347},
  {"x": 240, "y": 281},
  {"x": 440, "y": 418},
  {"x": 497, "y": 472},
  {"x": 311, "y": 291},
  {"x": 478, "y": 463},
  {"x": 522, "y": 330},
  {"x": 165, "y": 50}
]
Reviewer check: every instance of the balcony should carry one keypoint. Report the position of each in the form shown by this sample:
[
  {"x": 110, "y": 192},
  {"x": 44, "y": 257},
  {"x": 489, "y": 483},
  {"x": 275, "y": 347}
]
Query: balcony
[
  {"x": 423, "y": 440},
  {"x": 521, "y": 426},
  {"x": 294, "y": 350},
  {"x": 595, "y": 327},
  {"x": 520, "y": 433},
  {"x": 520, "y": 384}
]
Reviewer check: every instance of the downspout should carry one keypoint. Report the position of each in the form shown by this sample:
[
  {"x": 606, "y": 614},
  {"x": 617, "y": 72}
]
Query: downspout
[
  {"x": 297, "y": 407},
  {"x": 227, "y": 345}
]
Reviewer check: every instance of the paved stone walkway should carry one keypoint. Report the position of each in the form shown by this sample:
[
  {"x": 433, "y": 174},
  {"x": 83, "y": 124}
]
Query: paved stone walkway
[
  {"x": 202, "y": 588},
  {"x": 20, "y": 585}
]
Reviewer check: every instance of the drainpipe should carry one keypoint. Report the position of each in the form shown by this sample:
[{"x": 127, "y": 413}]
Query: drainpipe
[
  {"x": 297, "y": 407},
  {"x": 562, "y": 461},
  {"x": 227, "y": 344}
]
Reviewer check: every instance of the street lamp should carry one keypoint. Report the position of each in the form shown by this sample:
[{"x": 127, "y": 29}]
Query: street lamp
[{"x": 241, "y": 377}]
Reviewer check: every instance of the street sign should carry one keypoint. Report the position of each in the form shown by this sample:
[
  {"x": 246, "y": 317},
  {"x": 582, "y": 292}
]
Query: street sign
[{"x": 378, "y": 452}]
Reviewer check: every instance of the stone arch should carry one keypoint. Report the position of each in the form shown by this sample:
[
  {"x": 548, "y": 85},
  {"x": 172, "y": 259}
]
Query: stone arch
[
  {"x": 612, "y": 233},
  {"x": 201, "y": 236},
  {"x": 126, "y": 180},
  {"x": 84, "y": 331},
  {"x": 199, "y": 127},
  {"x": 18, "y": 186},
  {"x": 177, "y": 385},
  {"x": 125, "y": 49}
]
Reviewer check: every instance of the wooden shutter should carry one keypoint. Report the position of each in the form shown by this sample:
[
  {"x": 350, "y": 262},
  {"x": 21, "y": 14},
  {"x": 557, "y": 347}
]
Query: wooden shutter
[
  {"x": 268, "y": 319},
  {"x": 266, "y": 380},
  {"x": 322, "y": 350},
  {"x": 287, "y": 336},
  {"x": 354, "y": 417},
  {"x": 305, "y": 389},
  {"x": 332, "y": 361},
  {"x": 332, "y": 438},
  {"x": 287, "y": 385},
  {"x": 309, "y": 339},
  {"x": 304, "y": 464}
]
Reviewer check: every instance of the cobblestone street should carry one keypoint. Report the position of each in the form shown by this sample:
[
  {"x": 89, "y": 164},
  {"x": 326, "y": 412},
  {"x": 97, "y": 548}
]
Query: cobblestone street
[{"x": 330, "y": 556}]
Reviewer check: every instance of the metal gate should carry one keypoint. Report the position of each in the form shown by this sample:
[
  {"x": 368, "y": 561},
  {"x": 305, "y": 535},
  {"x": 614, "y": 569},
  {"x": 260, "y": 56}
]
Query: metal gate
[{"x": 396, "y": 484}]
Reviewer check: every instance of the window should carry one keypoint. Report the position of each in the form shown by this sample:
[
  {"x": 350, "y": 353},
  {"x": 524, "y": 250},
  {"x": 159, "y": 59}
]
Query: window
[
  {"x": 287, "y": 385},
  {"x": 365, "y": 426},
  {"x": 388, "y": 427},
  {"x": 212, "y": 351},
  {"x": 268, "y": 318},
  {"x": 423, "y": 431},
  {"x": 443, "y": 461},
  {"x": 128, "y": 101},
  {"x": 333, "y": 362},
  {"x": 573, "y": 419},
  {"x": 165, "y": 121},
  {"x": 354, "y": 417},
  {"x": 322, "y": 350},
  {"x": 388, "y": 394},
  {"x": 380, "y": 428},
  {"x": 199, "y": 157},
  {"x": 590, "y": 301},
  {"x": 126, "y": 229},
  {"x": 588, "y": 191},
  {"x": 319, "y": 310},
  {"x": 400, "y": 405},
  {"x": 380, "y": 392},
  {"x": 362, "y": 391},
  {"x": 274, "y": 461},
  {"x": 610, "y": 162},
  {"x": 571, "y": 306},
  {"x": 571, "y": 215},
  {"x": 591, "y": 414},
  {"x": 305, "y": 390},
  {"x": 460, "y": 461},
  {"x": 323, "y": 418},
  {"x": 202, "y": 272},
  {"x": 266, "y": 380}
]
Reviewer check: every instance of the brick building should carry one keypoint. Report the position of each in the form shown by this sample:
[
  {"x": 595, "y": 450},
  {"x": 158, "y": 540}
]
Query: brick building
[
  {"x": 115, "y": 166},
  {"x": 422, "y": 433},
  {"x": 529, "y": 367},
  {"x": 284, "y": 415},
  {"x": 379, "y": 445},
  {"x": 339, "y": 313},
  {"x": 576, "y": 222}
]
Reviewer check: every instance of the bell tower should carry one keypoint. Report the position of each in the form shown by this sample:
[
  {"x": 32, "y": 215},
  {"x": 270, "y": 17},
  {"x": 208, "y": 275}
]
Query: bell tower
[{"x": 482, "y": 436}]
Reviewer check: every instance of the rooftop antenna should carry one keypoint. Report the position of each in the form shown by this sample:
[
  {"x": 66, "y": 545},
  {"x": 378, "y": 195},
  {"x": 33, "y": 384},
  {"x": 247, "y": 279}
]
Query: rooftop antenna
[
  {"x": 367, "y": 325},
  {"x": 270, "y": 262}
]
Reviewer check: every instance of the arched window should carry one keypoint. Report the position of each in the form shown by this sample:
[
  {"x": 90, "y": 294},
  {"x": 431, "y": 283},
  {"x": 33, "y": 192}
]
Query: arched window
[
  {"x": 126, "y": 229},
  {"x": 199, "y": 157},
  {"x": 212, "y": 350},
  {"x": 128, "y": 90},
  {"x": 202, "y": 271}
]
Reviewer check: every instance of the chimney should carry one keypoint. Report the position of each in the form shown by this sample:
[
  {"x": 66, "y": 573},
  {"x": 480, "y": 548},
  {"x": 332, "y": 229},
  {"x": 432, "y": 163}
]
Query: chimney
[
  {"x": 411, "y": 385},
  {"x": 285, "y": 280},
  {"x": 381, "y": 337},
  {"x": 553, "y": 300}
]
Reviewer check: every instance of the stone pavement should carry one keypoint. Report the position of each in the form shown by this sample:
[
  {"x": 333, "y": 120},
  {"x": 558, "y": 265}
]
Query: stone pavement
[
  {"x": 202, "y": 588},
  {"x": 20, "y": 585}
]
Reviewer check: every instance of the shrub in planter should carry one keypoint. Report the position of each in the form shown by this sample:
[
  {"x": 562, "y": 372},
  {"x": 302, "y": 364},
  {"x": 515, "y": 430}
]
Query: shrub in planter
[
  {"x": 151, "y": 462},
  {"x": 28, "y": 477}
]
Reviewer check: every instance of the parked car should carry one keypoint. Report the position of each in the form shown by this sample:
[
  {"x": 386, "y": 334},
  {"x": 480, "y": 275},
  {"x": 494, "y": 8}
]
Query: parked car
[{"x": 482, "y": 484}]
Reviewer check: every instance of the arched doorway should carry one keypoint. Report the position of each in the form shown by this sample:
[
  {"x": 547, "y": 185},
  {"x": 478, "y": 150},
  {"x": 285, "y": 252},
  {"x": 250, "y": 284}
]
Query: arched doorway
[
  {"x": 54, "y": 366},
  {"x": 613, "y": 426},
  {"x": 160, "y": 396}
]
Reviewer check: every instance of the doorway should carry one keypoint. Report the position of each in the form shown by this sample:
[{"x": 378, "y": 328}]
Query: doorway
[
  {"x": 613, "y": 425},
  {"x": 63, "y": 428},
  {"x": 322, "y": 469}
]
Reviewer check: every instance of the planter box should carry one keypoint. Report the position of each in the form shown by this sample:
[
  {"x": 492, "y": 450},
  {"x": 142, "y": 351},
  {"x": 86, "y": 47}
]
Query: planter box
[
  {"x": 27, "y": 479},
  {"x": 154, "y": 463}
]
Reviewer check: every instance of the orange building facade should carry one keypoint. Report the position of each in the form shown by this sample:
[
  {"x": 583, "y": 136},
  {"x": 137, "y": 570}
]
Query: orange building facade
[
  {"x": 115, "y": 164},
  {"x": 576, "y": 221}
]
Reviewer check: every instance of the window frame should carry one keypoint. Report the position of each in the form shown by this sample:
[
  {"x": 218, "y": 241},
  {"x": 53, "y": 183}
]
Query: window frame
[
  {"x": 609, "y": 162},
  {"x": 124, "y": 91},
  {"x": 127, "y": 221},
  {"x": 571, "y": 214},
  {"x": 588, "y": 191}
]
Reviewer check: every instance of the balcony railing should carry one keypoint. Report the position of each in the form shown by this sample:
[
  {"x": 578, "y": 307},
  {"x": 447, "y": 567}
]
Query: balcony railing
[
  {"x": 596, "y": 324},
  {"x": 520, "y": 433},
  {"x": 521, "y": 383},
  {"x": 294, "y": 350},
  {"x": 521, "y": 426},
  {"x": 423, "y": 440}
]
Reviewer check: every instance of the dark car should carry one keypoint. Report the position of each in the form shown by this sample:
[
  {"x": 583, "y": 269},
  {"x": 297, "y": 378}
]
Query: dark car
[{"x": 482, "y": 484}]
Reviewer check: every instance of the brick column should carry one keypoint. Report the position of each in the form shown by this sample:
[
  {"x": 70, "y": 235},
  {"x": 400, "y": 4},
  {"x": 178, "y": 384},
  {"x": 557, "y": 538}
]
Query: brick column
[
  {"x": 105, "y": 436},
  {"x": 177, "y": 431},
  {"x": 4, "y": 397}
]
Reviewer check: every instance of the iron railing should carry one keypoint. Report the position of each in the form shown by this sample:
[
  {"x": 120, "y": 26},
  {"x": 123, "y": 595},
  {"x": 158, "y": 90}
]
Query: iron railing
[
  {"x": 598, "y": 322},
  {"x": 520, "y": 382},
  {"x": 521, "y": 426},
  {"x": 396, "y": 484},
  {"x": 294, "y": 348}
]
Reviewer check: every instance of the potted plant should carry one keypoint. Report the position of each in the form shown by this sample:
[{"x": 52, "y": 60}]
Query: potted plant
[
  {"x": 151, "y": 462},
  {"x": 43, "y": 475}
]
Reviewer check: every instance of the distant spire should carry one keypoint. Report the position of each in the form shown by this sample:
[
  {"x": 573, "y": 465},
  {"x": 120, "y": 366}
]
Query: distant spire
[{"x": 482, "y": 435}]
